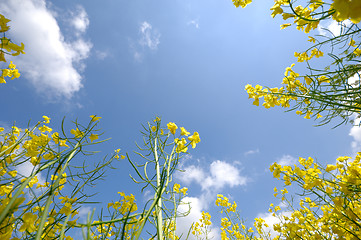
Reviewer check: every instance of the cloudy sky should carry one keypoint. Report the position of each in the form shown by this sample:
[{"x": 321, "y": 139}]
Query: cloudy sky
[{"x": 186, "y": 61}]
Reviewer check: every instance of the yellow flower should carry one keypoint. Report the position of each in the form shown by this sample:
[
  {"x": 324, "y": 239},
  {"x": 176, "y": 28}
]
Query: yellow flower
[
  {"x": 184, "y": 131},
  {"x": 184, "y": 190},
  {"x": 48, "y": 156},
  {"x": 308, "y": 115},
  {"x": 94, "y": 118},
  {"x": 176, "y": 187},
  {"x": 12, "y": 173},
  {"x": 194, "y": 139},
  {"x": 322, "y": 79},
  {"x": 77, "y": 133},
  {"x": 45, "y": 129},
  {"x": 62, "y": 143},
  {"x": 357, "y": 52},
  {"x": 181, "y": 145},
  {"x": 283, "y": 26},
  {"x": 93, "y": 137},
  {"x": 172, "y": 127},
  {"x": 29, "y": 221},
  {"x": 154, "y": 128},
  {"x": 308, "y": 80},
  {"x": 311, "y": 39},
  {"x": 46, "y": 119}
]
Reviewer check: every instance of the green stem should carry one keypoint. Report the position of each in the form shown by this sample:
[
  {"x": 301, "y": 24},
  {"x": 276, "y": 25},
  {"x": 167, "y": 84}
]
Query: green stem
[{"x": 158, "y": 207}]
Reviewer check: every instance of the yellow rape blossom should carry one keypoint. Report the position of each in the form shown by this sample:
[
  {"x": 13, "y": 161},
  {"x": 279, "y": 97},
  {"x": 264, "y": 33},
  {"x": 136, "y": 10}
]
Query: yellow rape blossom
[
  {"x": 242, "y": 3},
  {"x": 184, "y": 190},
  {"x": 77, "y": 133},
  {"x": 194, "y": 139},
  {"x": 93, "y": 137},
  {"x": 46, "y": 119},
  {"x": 176, "y": 187},
  {"x": 94, "y": 118},
  {"x": 184, "y": 131},
  {"x": 172, "y": 127},
  {"x": 29, "y": 221}
]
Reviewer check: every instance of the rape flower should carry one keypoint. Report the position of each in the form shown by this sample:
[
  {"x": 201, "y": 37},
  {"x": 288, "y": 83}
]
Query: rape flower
[
  {"x": 29, "y": 220},
  {"x": 93, "y": 137},
  {"x": 194, "y": 139},
  {"x": 45, "y": 129},
  {"x": 46, "y": 119},
  {"x": 13, "y": 173},
  {"x": 154, "y": 128},
  {"x": 172, "y": 127},
  {"x": 77, "y": 133},
  {"x": 184, "y": 131},
  {"x": 181, "y": 145},
  {"x": 94, "y": 118},
  {"x": 283, "y": 26},
  {"x": 176, "y": 187},
  {"x": 62, "y": 143},
  {"x": 184, "y": 190}
]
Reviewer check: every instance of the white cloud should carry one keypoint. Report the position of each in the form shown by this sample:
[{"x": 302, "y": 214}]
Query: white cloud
[
  {"x": 332, "y": 27},
  {"x": 149, "y": 38},
  {"x": 251, "y": 152},
  {"x": 80, "y": 19},
  {"x": 194, "y": 207},
  {"x": 192, "y": 173},
  {"x": 211, "y": 179},
  {"x": 222, "y": 174},
  {"x": 194, "y": 22},
  {"x": 219, "y": 175},
  {"x": 101, "y": 55},
  {"x": 355, "y": 133},
  {"x": 52, "y": 64},
  {"x": 287, "y": 160}
]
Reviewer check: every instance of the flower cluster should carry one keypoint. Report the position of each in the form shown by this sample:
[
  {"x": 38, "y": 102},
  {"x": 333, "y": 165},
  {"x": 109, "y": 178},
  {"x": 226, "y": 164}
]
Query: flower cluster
[
  {"x": 10, "y": 48},
  {"x": 331, "y": 206},
  {"x": 182, "y": 145},
  {"x": 201, "y": 229},
  {"x": 125, "y": 205},
  {"x": 346, "y": 9},
  {"x": 37, "y": 204}
]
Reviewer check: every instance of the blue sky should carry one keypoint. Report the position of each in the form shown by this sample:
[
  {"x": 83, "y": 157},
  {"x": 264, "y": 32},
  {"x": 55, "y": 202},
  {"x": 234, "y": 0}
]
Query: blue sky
[{"x": 186, "y": 61}]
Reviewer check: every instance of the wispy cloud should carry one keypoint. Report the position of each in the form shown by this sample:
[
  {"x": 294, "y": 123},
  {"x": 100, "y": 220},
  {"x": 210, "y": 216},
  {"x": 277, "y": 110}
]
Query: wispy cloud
[
  {"x": 194, "y": 22},
  {"x": 79, "y": 20},
  {"x": 250, "y": 152},
  {"x": 332, "y": 27},
  {"x": 149, "y": 39},
  {"x": 287, "y": 160},
  {"x": 355, "y": 133},
  {"x": 52, "y": 64}
]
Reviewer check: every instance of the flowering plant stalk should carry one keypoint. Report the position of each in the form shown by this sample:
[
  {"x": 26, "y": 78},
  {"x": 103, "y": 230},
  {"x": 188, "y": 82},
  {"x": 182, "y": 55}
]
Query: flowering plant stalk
[
  {"x": 161, "y": 157},
  {"x": 322, "y": 93}
]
